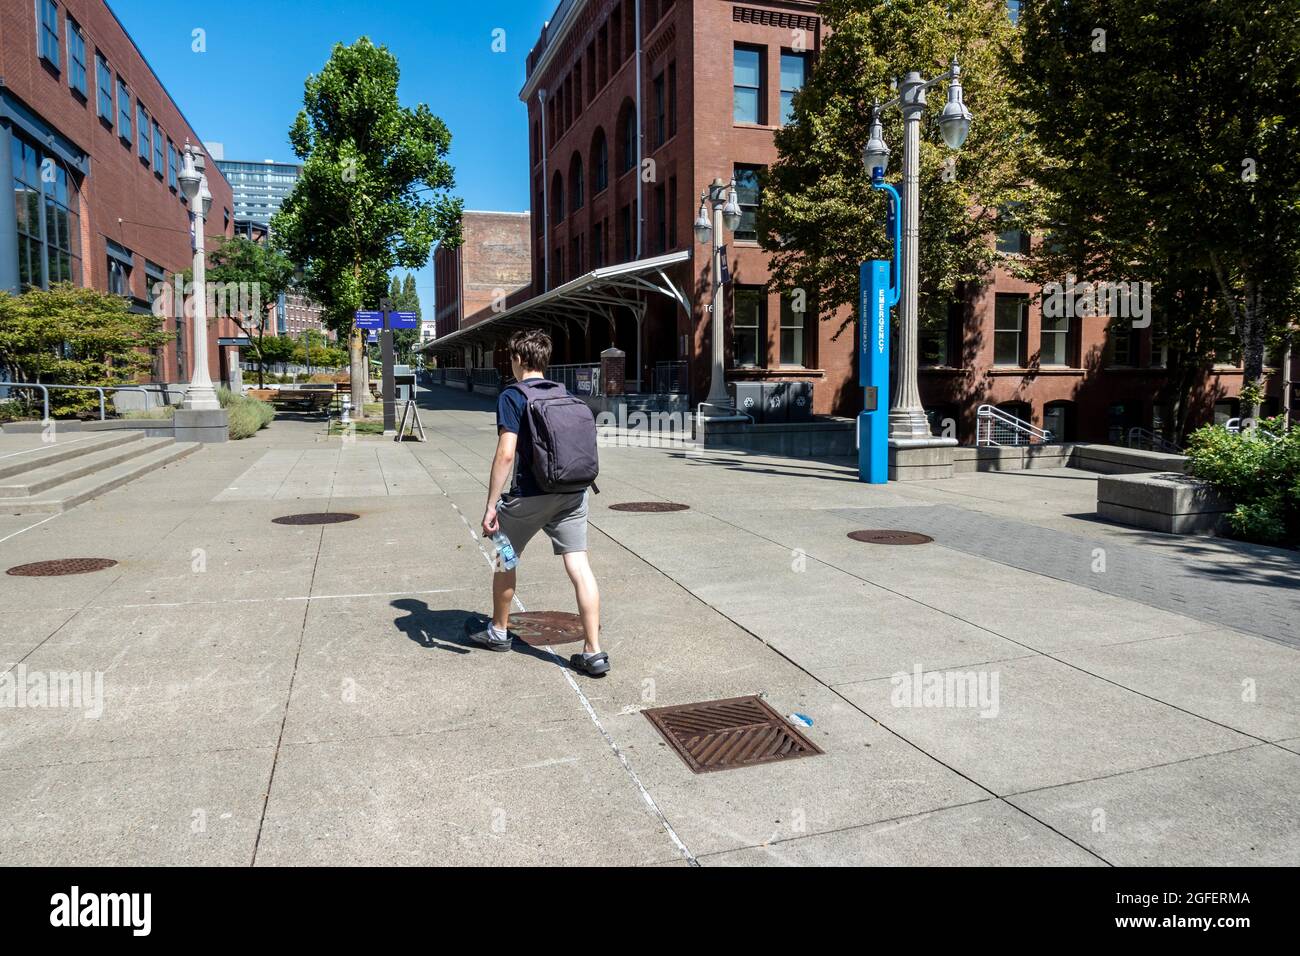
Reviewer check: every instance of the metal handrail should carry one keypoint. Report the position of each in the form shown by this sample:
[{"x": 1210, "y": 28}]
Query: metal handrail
[
  {"x": 101, "y": 389},
  {"x": 1153, "y": 441},
  {"x": 989, "y": 419},
  {"x": 736, "y": 412}
]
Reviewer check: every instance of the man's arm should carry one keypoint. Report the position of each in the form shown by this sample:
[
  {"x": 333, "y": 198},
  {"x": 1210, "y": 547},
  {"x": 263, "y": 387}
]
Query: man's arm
[{"x": 501, "y": 464}]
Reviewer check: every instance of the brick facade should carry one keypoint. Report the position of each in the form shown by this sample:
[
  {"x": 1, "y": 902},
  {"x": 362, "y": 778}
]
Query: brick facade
[
  {"x": 491, "y": 261},
  {"x": 116, "y": 197}
]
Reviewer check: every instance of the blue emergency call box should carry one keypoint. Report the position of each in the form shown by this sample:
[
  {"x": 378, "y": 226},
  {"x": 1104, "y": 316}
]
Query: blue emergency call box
[{"x": 879, "y": 287}]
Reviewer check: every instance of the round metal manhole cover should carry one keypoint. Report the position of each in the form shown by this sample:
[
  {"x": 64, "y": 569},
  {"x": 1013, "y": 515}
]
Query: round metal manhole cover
[
  {"x": 544, "y": 628},
  {"x": 890, "y": 537},
  {"x": 317, "y": 517},
  {"x": 54, "y": 569},
  {"x": 649, "y": 507}
]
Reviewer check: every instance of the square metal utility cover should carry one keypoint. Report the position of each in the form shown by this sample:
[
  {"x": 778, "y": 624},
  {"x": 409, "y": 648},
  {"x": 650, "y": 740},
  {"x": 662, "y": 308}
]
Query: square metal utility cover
[{"x": 725, "y": 734}]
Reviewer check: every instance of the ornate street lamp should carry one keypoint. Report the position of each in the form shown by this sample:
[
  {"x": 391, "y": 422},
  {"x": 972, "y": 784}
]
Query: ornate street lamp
[
  {"x": 725, "y": 203},
  {"x": 908, "y": 426}
]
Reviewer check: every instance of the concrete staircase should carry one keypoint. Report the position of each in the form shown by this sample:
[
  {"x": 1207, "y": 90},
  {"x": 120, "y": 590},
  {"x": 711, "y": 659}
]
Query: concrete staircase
[{"x": 65, "y": 473}]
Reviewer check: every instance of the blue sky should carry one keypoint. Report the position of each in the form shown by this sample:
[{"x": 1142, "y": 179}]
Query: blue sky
[{"x": 247, "y": 88}]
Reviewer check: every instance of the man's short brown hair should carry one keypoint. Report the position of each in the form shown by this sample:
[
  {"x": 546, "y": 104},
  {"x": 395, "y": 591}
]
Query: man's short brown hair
[{"x": 531, "y": 349}]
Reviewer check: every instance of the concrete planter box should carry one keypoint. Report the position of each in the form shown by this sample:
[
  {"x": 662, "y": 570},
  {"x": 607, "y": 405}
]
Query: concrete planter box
[
  {"x": 968, "y": 459},
  {"x": 1170, "y": 501},
  {"x": 831, "y": 438},
  {"x": 919, "y": 464},
  {"x": 1116, "y": 460}
]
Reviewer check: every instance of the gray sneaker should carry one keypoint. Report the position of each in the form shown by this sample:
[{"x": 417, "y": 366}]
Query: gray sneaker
[{"x": 480, "y": 632}]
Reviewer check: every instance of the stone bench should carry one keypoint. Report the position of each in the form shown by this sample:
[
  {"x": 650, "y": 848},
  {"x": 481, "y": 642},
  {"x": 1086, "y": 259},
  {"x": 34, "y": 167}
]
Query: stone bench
[{"x": 1162, "y": 501}]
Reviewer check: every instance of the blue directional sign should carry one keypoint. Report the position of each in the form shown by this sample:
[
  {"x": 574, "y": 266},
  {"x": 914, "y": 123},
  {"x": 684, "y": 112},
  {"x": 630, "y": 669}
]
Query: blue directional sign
[
  {"x": 367, "y": 319},
  {"x": 373, "y": 337},
  {"x": 403, "y": 320}
]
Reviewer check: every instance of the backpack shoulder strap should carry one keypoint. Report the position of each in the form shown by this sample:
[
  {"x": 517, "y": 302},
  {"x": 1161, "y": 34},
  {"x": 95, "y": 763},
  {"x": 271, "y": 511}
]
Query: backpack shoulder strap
[{"x": 532, "y": 388}]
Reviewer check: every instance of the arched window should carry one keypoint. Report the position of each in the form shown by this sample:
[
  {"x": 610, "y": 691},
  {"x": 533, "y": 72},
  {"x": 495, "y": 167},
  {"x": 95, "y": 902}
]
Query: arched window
[
  {"x": 627, "y": 137},
  {"x": 599, "y": 162},
  {"x": 575, "y": 183},
  {"x": 557, "y": 198},
  {"x": 1058, "y": 418}
]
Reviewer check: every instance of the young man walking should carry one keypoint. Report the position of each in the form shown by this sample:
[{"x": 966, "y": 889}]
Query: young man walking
[{"x": 529, "y": 508}]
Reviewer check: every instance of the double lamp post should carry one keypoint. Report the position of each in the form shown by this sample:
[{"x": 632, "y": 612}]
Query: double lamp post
[{"x": 908, "y": 427}]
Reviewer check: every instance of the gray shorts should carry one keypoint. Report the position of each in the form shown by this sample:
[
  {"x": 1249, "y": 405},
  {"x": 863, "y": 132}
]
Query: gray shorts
[{"x": 563, "y": 518}]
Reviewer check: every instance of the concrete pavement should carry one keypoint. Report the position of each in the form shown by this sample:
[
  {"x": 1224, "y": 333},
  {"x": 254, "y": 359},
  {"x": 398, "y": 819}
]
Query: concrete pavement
[{"x": 276, "y": 694}]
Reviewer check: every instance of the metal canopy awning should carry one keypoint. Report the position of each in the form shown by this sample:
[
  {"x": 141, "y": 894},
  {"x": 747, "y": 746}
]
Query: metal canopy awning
[{"x": 597, "y": 295}]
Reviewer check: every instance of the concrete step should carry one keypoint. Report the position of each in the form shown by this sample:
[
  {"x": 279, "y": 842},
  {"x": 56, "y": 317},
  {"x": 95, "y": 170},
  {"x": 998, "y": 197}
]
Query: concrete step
[
  {"x": 69, "y": 494},
  {"x": 62, "y": 450},
  {"x": 39, "y": 480}
]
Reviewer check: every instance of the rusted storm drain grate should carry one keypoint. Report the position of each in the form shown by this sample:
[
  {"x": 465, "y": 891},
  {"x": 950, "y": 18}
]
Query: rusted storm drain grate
[
  {"x": 890, "y": 537},
  {"x": 54, "y": 569},
  {"x": 544, "y": 628},
  {"x": 724, "y": 734},
  {"x": 649, "y": 507},
  {"x": 317, "y": 517}
]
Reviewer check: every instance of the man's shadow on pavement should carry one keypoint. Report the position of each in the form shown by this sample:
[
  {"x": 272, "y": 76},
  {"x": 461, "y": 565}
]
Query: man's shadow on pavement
[{"x": 448, "y": 630}]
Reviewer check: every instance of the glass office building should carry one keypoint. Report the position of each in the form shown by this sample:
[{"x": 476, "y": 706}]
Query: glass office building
[{"x": 259, "y": 188}]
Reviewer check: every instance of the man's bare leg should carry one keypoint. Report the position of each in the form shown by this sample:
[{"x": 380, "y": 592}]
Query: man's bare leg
[
  {"x": 588, "y": 595},
  {"x": 503, "y": 592}
]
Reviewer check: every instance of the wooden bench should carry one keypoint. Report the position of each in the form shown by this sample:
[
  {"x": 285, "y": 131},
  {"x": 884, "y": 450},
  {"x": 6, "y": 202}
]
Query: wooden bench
[{"x": 312, "y": 399}]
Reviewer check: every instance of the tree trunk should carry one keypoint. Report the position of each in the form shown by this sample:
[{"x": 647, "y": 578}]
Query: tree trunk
[
  {"x": 1252, "y": 346},
  {"x": 357, "y": 360}
]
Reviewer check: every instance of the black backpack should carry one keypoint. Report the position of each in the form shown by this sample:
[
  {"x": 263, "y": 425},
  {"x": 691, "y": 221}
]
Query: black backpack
[{"x": 564, "y": 437}]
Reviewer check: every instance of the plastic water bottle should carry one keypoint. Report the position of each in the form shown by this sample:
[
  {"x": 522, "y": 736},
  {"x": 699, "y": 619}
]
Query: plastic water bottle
[{"x": 506, "y": 557}]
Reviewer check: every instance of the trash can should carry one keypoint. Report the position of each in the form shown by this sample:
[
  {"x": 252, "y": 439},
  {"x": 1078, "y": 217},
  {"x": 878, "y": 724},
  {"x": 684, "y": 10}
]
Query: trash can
[
  {"x": 749, "y": 399},
  {"x": 776, "y": 401},
  {"x": 799, "y": 401}
]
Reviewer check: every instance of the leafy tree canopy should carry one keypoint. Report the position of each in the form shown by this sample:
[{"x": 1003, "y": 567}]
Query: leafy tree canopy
[{"x": 821, "y": 218}]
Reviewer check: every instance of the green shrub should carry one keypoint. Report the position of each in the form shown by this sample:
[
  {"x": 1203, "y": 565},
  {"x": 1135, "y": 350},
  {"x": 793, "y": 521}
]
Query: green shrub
[
  {"x": 156, "y": 413},
  {"x": 1258, "y": 470},
  {"x": 248, "y": 416}
]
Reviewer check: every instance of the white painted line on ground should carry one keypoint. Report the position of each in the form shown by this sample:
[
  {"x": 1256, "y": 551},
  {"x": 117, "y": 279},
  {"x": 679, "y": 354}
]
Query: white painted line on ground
[
  {"x": 29, "y": 527},
  {"x": 595, "y": 719},
  {"x": 307, "y": 597}
]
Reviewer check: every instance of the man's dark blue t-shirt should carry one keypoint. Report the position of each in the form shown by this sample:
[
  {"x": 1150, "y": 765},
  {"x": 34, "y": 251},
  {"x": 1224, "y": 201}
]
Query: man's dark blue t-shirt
[{"x": 510, "y": 416}]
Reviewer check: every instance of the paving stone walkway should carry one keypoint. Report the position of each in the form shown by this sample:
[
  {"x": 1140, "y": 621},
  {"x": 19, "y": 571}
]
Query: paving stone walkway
[{"x": 278, "y": 694}]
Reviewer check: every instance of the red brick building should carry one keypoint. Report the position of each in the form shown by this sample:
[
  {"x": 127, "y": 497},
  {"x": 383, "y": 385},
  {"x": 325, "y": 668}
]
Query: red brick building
[
  {"x": 490, "y": 266},
  {"x": 635, "y": 106},
  {"x": 92, "y": 143}
]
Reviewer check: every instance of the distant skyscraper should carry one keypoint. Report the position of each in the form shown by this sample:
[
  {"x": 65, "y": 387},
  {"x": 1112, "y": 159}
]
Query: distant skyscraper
[{"x": 259, "y": 188}]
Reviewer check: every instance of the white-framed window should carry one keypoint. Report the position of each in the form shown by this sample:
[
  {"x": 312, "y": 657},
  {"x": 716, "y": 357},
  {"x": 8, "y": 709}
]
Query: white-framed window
[
  {"x": 142, "y": 130},
  {"x": 103, "y": 89},
  {"x": 47, "y": 34},
  {"x": 794, "y": 326},
  {"x": 794, "y": 73},
  {"x": 1054, "y": 346},
  {"x": 76, "y": 58},
  {"x": 747, "y": 326},
  {"x": 1009, "y": 314},
  {"x": 747, "y": 84},
  {"x": 123, "y": 111}
]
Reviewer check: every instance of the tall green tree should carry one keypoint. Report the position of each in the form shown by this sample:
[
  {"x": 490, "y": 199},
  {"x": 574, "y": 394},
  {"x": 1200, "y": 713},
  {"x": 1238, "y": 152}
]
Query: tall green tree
[
  {"x": 253, "y": 266},
  {"x": 1172, "y": 130},
  {"x": 75, "y": 336},
  {"x": 374, "y": 194},
  {"x": 820, "y": 217}
]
